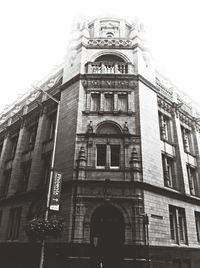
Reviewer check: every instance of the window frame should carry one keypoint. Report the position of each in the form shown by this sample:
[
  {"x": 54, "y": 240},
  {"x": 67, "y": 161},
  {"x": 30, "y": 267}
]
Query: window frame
[
  {"x": 188, "y": 142},
  {"x": 165, "y": 123},
  {"x": 14, "y": 224},
  {"x": 108, "y": 154},
  {"x": 26, "y": 170},
  {"x": 168, "y": 164},
  {"x": 197, "y": 223},
  {"x": 5, "y": 183},
  {"x": 177, "y": 215}
]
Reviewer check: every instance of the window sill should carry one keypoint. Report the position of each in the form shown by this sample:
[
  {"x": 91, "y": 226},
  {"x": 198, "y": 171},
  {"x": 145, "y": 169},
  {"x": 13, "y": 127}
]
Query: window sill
[{"x": 169, "y": 142}]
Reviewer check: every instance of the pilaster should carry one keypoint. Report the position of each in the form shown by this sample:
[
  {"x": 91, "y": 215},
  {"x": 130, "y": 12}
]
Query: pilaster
[
  {"x": 36, "y": 167},
  {"x": 16, "y": 165},
  {"x": 182, "y": 177}
]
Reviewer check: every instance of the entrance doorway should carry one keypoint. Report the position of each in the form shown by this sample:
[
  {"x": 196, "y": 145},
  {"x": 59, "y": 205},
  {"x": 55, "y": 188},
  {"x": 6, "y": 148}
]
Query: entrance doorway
[{"x": 107, "y": 236}]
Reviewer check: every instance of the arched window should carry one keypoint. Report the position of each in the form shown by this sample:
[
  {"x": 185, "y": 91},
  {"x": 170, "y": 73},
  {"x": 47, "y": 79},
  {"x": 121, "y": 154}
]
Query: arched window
[{"x": 108, "y": 146}]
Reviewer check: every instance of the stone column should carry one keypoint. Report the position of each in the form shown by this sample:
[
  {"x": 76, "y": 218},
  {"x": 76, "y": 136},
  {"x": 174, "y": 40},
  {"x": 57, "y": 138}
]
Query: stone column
[
  {"x": 130, "y": 109},
  {"x": 88, "y": 101},
  {"x": 196, "y": 135},
  {"x": 4, "y": 154},
  {"x": 36, "y": 165},
  {"x": 79, "y": 217},
  {"x": 101, "y": 102},
  {"x": 183, "y": 183},
  {"x": 115, "y": 102},
  {"x": 16, "y": 165}
]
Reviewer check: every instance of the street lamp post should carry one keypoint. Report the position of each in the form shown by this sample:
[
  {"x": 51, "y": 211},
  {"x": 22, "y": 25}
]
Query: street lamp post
[{"x": 42, "y": 256}]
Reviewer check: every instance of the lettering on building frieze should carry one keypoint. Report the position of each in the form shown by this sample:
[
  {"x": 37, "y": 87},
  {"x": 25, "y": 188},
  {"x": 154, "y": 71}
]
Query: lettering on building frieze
[{"x": 111, "y": 83}]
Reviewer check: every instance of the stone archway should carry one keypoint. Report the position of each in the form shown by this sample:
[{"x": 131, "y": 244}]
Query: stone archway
[{"x": 107, "y": 235}]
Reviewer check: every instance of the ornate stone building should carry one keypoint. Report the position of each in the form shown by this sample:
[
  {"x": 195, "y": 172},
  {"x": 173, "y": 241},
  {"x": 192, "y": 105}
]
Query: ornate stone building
[{"x": 128, "y": 150}]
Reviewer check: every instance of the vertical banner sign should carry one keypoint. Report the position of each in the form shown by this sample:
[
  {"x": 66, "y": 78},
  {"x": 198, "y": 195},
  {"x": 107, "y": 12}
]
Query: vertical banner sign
[{"x": 56, "y": 190}]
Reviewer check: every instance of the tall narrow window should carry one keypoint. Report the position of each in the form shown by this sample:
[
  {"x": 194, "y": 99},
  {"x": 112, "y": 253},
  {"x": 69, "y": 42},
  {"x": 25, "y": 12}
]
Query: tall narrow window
[
  {"x": 109, "y": 102},
  {"x": 122, "y": 102},
  {"x": 26, "y": 168},
  {"x": 101, "y": 155},
  {"x": 168, "y": 171},
  {"x": 51, "y": 127},
  {"x": 187, "y": 140},
  {"x": 173, "y": 224},
  {"x": 14, "y": 223},
  {"x": 13, "y": 147},
  {"x": 197, "y": 221},
  {"x": 182, "y": 225},
  {"x": 95, "y": 102},
  {"x": 5, "y": 183},
  {"x": 177, "y": 220},
  {"x": 115, "y": 155},
  {"x": 165, "y": 128},
  {"x": 191, "y": 179},
  {"x": 32, "y": 131}
]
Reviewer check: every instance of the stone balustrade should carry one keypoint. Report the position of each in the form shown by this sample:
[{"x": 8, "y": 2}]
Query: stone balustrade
[{"x": 109, "y": 68}]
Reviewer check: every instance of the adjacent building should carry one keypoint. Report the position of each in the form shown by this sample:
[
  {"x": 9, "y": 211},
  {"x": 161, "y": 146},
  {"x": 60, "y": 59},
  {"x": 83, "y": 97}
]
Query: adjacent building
[{"x": 128, "y": 150}]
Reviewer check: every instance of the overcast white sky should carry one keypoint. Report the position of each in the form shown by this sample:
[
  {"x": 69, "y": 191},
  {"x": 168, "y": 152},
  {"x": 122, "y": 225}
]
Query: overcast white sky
[{"x": 35, "y": 33}]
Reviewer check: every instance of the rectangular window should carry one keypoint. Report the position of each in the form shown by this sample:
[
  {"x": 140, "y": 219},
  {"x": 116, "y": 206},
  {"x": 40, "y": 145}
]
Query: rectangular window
[
  {"x": 115, "y": 155},
  {"x": 108, "y": 102},
  {"x": 14, "y": 223},
  {"x": 173, "y": 224},
  {"x": 165, "y": 128},
  {"x": 187, "y": 140},
  {"x": 191, "y": 179},
  {"x": 32, "y": 131},
  {"x": 95, "y": 102},
  {"x": 101, "y": 155},
  {"x": 51, "y": 127},
  {"x": 168, "y": 171},
  {"x": 108, "y": 155},
  {"x": 13, "y": 146},
  {"x": 182, "y": 225},
  {"x": 5, "y": 183},
  {"x": 197, "y": 221},
  {"x": 26, "y": 168},
  {"x": 177, "y": 225},
  {"x": 122, "y": 102}
]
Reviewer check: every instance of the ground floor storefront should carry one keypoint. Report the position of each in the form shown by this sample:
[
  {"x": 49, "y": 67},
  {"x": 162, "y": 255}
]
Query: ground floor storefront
[{"x": 62, "y": 255}]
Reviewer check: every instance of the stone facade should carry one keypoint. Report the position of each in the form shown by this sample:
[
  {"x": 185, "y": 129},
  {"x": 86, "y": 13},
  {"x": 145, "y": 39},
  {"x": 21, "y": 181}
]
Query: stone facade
[{"x": 128, "y": 150}]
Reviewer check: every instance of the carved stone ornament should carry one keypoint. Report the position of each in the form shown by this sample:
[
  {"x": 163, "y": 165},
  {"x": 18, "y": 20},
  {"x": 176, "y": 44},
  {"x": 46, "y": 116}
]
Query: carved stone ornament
[
  {"x": 99, "y": 83},
  {"x": 164, "y": 105},
  {"x": 109, "y": 43}
]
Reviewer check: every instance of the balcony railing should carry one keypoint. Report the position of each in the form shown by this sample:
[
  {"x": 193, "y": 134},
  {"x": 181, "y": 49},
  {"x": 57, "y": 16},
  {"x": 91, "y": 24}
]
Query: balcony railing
[{"x": 109, "y": 68}]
